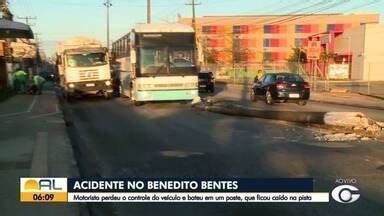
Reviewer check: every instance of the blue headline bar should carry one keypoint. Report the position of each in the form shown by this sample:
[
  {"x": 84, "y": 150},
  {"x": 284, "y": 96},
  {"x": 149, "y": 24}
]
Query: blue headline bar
[{"x": 190, "y": 185}]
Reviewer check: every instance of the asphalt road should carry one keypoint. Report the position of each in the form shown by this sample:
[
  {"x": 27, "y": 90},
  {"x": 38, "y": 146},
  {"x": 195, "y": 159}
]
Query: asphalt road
[{"x": 116, "y": 139}]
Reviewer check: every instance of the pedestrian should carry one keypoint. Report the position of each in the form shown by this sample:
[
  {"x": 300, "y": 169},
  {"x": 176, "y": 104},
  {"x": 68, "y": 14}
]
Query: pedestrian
[
  {"x": 258, "y": 75},
  {"x": 20, "y": 79},
  {"x": 37, "y": 84}
]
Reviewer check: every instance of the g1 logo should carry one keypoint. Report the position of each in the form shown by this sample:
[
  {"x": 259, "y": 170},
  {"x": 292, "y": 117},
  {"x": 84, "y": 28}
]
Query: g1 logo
[{"x": 345, "y": 194}]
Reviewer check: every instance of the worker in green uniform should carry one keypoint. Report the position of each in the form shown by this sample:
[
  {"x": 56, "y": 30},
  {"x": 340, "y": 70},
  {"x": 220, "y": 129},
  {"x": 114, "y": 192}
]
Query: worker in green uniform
[
  {"x": 20, "y": 78},
  {"x": 37, "y": 84}
]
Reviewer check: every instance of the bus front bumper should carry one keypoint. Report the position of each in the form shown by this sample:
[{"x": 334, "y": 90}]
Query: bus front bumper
[{"x": 164, "y": 95}]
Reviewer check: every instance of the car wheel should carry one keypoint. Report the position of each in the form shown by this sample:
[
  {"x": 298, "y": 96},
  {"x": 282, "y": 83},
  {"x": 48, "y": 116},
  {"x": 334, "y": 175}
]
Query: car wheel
[
  {"x": 253, "y": 96},
  {"x": 268, "y": 98},
  {"x": 138, "y": 103},
  {"x": 302, "y": 103}
]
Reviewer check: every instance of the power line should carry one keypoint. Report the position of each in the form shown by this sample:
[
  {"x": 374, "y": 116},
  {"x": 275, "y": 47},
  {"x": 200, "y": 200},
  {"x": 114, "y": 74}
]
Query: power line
[
  {"x": 27, "y": 19},
  {"x": 311, "y": 13},
  {"x": 276, "y": 17}
]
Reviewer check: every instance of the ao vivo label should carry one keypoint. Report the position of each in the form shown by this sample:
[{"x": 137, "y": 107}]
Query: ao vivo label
[{"x": 43, "y": 190}]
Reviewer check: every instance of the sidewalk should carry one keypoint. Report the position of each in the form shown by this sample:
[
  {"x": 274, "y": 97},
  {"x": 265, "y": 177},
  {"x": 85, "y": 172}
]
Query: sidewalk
[
  {"x": 349, "y": 99},
  {"x": 34, "y": 143}
]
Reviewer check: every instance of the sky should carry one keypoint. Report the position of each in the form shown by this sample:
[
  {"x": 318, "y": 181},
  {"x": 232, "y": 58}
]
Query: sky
[{"x": 58, "y": 20}]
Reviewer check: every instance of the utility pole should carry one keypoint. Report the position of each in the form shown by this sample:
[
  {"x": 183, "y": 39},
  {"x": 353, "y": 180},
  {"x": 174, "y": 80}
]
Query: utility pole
[
  {"x": 108, "y": 4},
  {"x": 193, "y": 4},
  {"x": 148, "y": 11},
  {"x": 27, "y": 19}
]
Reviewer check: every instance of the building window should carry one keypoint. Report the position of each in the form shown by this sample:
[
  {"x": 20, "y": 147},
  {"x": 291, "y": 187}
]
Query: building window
[
  {"x": 267, "y": 56},
  {"x": 240, "y": 29},
  {"x": 306, "y": 28},
  {"x": 212, "y": 29},
  {"x": 273, "y": 42},
  {"x": 206, "y": 29},
  {"x": 274, "y": 29},
  {"x": 301, "y": 42},
  {"x": 274, "y": 56},
  {"x": 336, "y": 27}
]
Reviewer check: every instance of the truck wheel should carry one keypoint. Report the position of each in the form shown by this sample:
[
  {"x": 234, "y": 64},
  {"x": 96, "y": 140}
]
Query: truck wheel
[
  {"x": 107, "y": 95},
  {"x": 68, "y": 97},
  {"x": 138, "y": 103}
]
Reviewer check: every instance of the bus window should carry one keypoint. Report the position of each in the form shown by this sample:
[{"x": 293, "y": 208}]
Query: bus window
[{"x": 153, "y": 60}]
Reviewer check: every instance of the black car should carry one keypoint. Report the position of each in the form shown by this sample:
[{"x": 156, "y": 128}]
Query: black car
[
  {"x": 281, "y": 87},
  {"x": 206, "y": 81}
]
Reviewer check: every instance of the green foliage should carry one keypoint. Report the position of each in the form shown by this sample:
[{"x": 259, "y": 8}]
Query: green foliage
[
  {"x": 209, "y": 55},
  {"x": 326, "y": 56},
  {"x": 297, "y": 55}
]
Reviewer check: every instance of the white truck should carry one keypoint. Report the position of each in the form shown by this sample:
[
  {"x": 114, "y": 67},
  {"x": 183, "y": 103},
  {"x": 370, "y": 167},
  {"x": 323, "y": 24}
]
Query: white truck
[{"x": 83, "y": 66}]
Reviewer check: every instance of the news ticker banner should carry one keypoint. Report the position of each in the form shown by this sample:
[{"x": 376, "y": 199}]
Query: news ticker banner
[{"x": 168, "y": 190}]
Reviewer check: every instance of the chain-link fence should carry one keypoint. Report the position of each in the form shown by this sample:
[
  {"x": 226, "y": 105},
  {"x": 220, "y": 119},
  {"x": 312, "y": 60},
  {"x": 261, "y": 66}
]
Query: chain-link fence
[{"x": 314, "y": 75}]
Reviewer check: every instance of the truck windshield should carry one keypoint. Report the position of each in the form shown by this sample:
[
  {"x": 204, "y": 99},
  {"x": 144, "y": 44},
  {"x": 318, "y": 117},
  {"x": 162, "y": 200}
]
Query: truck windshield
[{"x": 86, "y": 59}]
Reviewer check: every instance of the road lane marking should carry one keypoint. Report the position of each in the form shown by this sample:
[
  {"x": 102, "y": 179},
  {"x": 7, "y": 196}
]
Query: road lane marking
[
  {"x": 32, "y": 104},
  {"x": 30, "y": 108},
  {"x": 39, "y": 164},
  {"x": 57, "y": 111}
]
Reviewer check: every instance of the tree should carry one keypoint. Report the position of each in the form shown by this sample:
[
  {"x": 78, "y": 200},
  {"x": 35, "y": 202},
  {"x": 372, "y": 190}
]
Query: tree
[
  {"x": 297, "y": 58},
  {"x": 325, "y": 57}
]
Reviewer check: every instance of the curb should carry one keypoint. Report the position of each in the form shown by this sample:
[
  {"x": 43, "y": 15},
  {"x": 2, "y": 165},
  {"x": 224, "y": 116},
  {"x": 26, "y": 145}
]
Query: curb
[
  {"x": 373, "y": 96},
  {"x": 326, "y": 102},
  {"x": 291, "y": 116}
]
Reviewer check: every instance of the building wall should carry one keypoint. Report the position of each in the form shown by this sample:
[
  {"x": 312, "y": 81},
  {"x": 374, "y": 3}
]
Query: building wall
[
  {"x": 374, "y": 53},
  {"x": 353, "y": 42},
  {"x": 364, "y": 42},
  {"x": 268, "y": 37}
]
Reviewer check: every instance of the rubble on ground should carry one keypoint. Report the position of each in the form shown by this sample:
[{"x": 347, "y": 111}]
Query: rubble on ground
[
  {"x": 354, "y": 121},
  {"x": 341, "y": 137},
  {"x": 196, "y": 100}
]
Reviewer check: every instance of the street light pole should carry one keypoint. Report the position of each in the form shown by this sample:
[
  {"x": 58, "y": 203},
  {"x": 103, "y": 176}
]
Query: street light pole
[{"x": 108, "y": 4}]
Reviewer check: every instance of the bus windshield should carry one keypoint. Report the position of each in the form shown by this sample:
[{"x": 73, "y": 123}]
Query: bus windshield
[
  {"x": 86, "y": 59},
  {"x": 167, "y": 61},
  {"x": 167, "y": 54}
]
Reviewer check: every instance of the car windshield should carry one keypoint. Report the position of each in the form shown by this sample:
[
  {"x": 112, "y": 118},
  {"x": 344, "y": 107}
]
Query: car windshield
[
  {"x": 289, "y": 78},
  {"x": 86, "y": 59}
]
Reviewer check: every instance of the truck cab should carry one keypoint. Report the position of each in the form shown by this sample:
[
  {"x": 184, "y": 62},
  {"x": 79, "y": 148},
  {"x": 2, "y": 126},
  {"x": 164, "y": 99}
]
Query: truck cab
[{"x": 85, "y": 70}]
